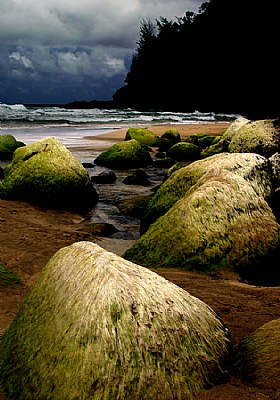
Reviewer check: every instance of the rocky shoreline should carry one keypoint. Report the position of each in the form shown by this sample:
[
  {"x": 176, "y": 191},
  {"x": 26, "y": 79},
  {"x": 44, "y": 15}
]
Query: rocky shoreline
[{"x": 33, "y": 234}]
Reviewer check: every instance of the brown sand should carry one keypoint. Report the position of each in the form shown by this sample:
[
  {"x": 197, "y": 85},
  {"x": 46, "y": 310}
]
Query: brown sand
[
  {"x": 185, "y": 130},
  {"x": 29, "y": 237}
]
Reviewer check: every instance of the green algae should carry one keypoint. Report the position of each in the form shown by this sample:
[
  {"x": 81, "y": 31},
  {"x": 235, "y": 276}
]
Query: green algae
[
  {"x": 256, "y": 137},
  {"x": 245, "y": 136},
  {"x": 46, "y": 172},
  {"x": 123, "y": 155},
  {"x": 8, "y": 144},
  {"x": 95, "y": 326},
  {"x": 215, "y": 225},
  {"x": 215, "y": 215},
  {"x": 168, "y": 139},
  {"x": 177, "y": 185},
  {"x": 184, "y": 151},
  {"x": 257, "y": 358},
  {"x": 143, "y": 136}
]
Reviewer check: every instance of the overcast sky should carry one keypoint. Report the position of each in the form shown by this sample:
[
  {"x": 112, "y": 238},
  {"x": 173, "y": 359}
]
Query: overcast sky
[{"x": 56, "y": 51}]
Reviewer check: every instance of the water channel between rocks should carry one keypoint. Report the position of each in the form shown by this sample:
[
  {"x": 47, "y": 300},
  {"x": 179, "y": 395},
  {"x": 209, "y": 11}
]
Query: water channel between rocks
[{"x": 106, "y": 210}]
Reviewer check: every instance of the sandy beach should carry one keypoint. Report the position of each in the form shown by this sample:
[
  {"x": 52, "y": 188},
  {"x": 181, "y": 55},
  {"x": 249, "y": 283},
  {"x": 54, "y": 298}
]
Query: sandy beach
[
  {"x": 185, "y": 130},
  {"x": 30, "y": 236}
]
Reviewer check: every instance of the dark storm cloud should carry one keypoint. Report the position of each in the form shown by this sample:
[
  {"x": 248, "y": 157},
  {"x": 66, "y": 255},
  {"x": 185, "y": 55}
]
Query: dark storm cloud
[{"x": 61, "y": 50}]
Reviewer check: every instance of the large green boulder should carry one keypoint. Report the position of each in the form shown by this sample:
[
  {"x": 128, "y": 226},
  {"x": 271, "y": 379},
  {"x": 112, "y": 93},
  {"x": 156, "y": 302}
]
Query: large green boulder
[
  {"x": 96, "y": 326},
  {"x": 257, "y": 358},
  {"x": 8, "y": 144},
  {"x": 180, "y": 181},
  {"x": 46, "y": 173},
  {"x": 234, "y": 128},
  {"x": 245, "y": 136},
  {"x": 168, "y": 139},
  {"x": 223, "y": 221},
  {"x": 123, "y": 155},
  {"x": 261, "y": 137},
  {"x": 143, "y": 136},
  {"x": 184, "y": 151}
]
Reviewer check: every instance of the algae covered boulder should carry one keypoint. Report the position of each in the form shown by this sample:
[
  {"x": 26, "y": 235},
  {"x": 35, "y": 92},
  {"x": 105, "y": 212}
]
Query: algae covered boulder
[
  {"x": 143, "y": 136},
  {"x": 222, "y": 221},
  {"x": 168, "y": 139},
  {"x": 257, "y": 358},
  {"x": 46, "y": 173},
  {"x": 127, "y": 154},
  {"x": 184, "y": 151},
  {"x": 8, "y": 144},
  {"x": 245, "y": 136},
  {"x": 201, "y": 139},
  {"x": 180, "y": 181},
  {"x": 261, "y": 137},
  {"x": 95, "y": 326}
]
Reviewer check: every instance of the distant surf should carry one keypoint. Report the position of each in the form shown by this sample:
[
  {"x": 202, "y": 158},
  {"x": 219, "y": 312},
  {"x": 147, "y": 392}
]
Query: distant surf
[
  {"x": 72, "y": 126},
  {"x": 19, "y": 115}
]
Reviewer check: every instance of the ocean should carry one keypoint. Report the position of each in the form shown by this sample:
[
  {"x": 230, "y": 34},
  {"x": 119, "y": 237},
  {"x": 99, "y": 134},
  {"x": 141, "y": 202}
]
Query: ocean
[
  {"x": 73, "y": 129},
  {"x": 72, "y": 126}
]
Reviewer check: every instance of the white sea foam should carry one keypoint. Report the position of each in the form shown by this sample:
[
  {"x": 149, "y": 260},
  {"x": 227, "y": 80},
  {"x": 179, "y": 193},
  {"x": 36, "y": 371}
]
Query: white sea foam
[{"x": 71, "y": 126}]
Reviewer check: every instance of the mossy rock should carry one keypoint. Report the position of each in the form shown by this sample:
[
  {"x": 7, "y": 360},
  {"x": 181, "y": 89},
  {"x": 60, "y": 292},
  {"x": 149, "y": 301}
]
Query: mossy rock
[
  {"x": 234, "y": 128},
  {"x": 192, "y": 139},
  {"x": 123, "y": 155},
  {"x": 201, "y": 140},
  {"x": 245, "y": 136},
  {"x": 223, "y": 221},
  {"x": 143, "y": 136},
  {"x": 46, "y": 173},
  {"x": 180, "y": 181},
  {"x": 221, "y": 144},
  {"x": 178, "y": 165},
  {"x": 165, "y": 162},
  {"x": 205, "y": 141},
  {"x": 96, "y": 326},
  {"x": 257, "y": 358},
  {"x": 261, "y": 137},
  {"x": 168, "y": 139},
  {"x": 8, "y": 144},
  {"x": 184, "y": 151},
  {"x": 8, "y": 277}
]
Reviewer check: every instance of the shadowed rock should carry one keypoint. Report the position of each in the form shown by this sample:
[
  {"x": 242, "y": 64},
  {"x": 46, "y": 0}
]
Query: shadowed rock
[
  {"x": 8, "y": 144},
  {"x": 257, "y": 357},
  {"x": 96, "y": 326},
  {"x": 105, "y": 177}
]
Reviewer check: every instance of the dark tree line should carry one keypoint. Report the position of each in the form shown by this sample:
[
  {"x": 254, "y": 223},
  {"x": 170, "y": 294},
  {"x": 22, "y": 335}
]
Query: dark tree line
[{"x": 223, "y": 58}]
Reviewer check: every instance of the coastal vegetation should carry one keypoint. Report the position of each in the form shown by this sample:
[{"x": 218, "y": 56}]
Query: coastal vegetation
[{"x": 219, "y": 59}]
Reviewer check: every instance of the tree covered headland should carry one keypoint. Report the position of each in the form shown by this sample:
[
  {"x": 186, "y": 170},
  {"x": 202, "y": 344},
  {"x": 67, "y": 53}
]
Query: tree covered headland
[{"x": 223, "y": 59}]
